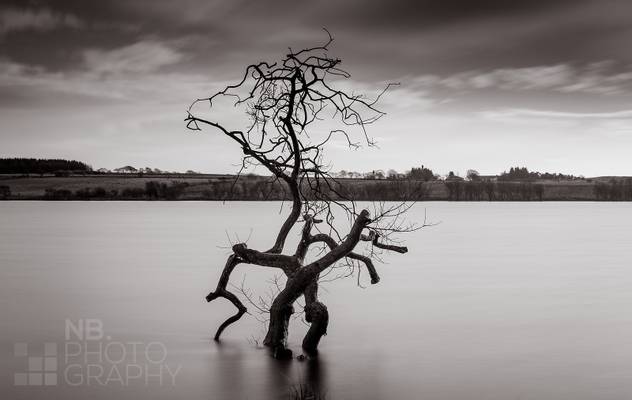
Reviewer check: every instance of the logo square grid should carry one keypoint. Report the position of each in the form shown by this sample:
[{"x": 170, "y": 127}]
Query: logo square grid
[{"x": 42, "y": 370}]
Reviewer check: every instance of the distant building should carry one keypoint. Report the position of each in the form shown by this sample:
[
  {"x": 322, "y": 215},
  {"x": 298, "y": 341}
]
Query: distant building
[
  {"x": 452, "y": 177},
  {"x": 490, "y": 178},
  {"x": 103, "y": 171},
  {"x": 128, "y": 169}
]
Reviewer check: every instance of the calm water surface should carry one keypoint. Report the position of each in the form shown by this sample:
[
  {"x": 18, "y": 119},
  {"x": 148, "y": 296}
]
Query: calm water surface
[{"x": 499, "y": 301}]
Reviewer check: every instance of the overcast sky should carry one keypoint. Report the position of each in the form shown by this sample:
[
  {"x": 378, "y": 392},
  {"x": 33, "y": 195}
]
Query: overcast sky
[{"x": 485, "y": 84}]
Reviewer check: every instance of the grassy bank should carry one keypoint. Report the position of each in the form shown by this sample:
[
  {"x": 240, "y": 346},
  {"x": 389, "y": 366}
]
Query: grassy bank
[{"x": 224, "y": 187}]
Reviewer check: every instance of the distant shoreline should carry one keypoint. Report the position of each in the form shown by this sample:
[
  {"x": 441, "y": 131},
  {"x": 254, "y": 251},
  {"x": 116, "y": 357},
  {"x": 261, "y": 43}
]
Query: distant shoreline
[{"x": 258, "y": 188}]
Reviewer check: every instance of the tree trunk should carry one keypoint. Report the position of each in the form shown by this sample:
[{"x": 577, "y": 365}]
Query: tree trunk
[
  {"x": 316, "y": 313},
  {"x": 276, "y": 338}
]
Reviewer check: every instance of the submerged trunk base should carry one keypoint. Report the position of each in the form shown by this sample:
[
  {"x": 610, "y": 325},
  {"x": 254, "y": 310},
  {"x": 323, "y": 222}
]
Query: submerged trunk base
[
  {"x": 316, "y": 313},
  {"x": 276, "y": 338}
]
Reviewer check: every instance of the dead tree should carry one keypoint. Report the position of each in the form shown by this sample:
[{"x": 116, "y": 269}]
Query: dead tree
[{"x": 282, "y": 100}]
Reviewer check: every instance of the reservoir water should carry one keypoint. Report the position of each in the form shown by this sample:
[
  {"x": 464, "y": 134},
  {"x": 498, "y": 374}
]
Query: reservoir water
[{"x": 497, "y": 301}]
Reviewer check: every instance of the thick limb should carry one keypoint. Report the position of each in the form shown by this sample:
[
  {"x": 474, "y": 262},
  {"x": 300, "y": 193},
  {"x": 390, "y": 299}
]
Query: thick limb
[
  {"x": 329, "y": 241},
  {"x": 374, "y": 238},
  {"x": 287, "y": 263},
  {"x": 244, "y": 255},
  {"x": 241, "y": 310},
  {"x": 221, "y": 291},
  {"x": 289, "y": 222},
  {"x": 303, "y": 244}
]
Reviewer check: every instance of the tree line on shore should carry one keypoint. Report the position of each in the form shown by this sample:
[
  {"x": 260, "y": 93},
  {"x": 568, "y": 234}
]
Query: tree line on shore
[
  {"x": 523, "y": 174},
  {"x": 426, "y": 174},
  {"x": 41, "y": 166},
  {"x": 61, "y": 167}
]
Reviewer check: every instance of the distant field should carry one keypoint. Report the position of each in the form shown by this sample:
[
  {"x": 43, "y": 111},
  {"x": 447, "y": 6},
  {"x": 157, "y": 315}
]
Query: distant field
[
  {"x": 35, "y": 187},
  {"x": 223, "y": 187}
]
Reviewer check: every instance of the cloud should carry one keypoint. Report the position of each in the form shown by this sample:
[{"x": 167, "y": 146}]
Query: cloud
[
  {"x": 143, "y": 56},
  {"x": 22, "y": 84},
  {"x": 528, "y": 78},
  {"x": 13, "y": 20},
  {"x": 601, "y": 78},
  {"x": 517, "y": 112},
  {"x": 598, "y": 78}
]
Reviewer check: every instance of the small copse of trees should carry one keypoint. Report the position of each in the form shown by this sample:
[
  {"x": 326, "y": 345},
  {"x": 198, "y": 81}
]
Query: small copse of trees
[
  {"x": 523, "y": 174},
  {"x": 421, "y": 174},
  {"x": 41, "y": 166}
]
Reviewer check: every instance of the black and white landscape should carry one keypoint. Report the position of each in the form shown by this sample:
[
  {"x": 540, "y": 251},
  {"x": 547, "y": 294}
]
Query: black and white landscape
[{"x": 323, "y": 200}]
